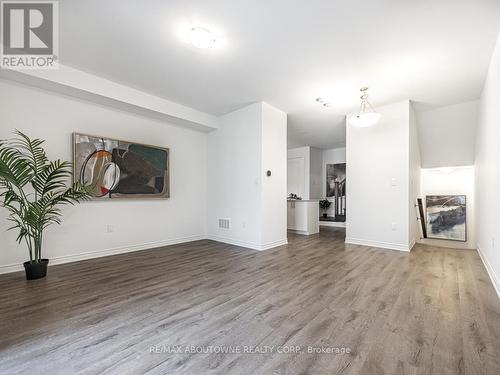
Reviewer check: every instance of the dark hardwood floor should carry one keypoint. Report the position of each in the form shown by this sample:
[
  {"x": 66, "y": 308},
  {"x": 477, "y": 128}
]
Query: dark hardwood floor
[{"x": 433, "y": 311}]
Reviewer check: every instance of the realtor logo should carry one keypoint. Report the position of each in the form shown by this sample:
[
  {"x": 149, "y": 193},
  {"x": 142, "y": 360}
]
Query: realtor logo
[{"x": 29, "y": 35}]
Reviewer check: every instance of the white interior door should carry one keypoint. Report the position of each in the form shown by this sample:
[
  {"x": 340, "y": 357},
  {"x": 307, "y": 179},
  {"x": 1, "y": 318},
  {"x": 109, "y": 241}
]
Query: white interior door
[{"x": 296, "y": 176}]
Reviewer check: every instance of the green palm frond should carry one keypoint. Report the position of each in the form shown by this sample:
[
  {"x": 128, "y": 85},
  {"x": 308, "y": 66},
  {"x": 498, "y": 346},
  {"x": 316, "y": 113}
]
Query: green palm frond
[
  {"x": 14, "y": 168},
  {"x": 52, "y": 177},
  {"x": 31, "y": 149},
  {"x": 24, "y": 166}
]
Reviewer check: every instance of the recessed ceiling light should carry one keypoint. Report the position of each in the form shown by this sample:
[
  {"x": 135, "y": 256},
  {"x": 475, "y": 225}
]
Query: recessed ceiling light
[
  {"x": 201, "y": 38},
  {"x": 323, "y": 102}
]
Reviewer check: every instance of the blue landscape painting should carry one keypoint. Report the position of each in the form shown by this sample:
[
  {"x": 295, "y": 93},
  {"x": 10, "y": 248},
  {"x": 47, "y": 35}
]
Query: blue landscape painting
[{"x": 446, "y": 217}]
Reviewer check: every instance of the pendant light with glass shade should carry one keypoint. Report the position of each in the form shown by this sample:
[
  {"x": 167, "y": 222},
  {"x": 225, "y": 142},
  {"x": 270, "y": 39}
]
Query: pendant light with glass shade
[{"x": 367, "y": 115}]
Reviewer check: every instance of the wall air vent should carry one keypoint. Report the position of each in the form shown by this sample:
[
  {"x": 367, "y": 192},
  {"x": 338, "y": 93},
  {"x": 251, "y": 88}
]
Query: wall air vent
[{"x": 225, "y": 224}]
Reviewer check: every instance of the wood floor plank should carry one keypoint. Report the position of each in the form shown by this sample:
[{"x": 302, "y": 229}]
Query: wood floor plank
[{"x": 432, "y": 311}]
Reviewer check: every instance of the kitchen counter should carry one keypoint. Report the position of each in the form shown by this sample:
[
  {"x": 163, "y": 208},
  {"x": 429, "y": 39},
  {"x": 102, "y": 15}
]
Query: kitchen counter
[{"x": 303, "y": 216}]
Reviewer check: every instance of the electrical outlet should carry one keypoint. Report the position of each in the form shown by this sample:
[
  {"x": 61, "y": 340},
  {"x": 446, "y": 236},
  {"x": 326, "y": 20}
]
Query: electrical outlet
[
  {"x": 393, "y": 226},
  {"x": 492, "y": 242}
]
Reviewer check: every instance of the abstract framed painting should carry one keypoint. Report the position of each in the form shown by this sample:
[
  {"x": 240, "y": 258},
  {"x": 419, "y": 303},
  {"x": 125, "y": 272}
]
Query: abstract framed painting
[
  {"x": 116, "y": 169},
  {"x": 446, "y": 217}
]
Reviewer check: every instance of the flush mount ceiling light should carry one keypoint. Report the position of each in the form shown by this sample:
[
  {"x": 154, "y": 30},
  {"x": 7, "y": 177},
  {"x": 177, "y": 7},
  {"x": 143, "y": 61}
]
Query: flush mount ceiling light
[
  {"x": 367, "y": 115},
  {"x": 201, "y": 37}
]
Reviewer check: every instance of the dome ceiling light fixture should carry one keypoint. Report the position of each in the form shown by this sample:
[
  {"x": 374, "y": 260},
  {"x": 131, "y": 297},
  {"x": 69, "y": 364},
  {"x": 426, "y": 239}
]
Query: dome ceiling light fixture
[
  {"x": 201, "y": 38},
  {"x": 367, "y": 115}
]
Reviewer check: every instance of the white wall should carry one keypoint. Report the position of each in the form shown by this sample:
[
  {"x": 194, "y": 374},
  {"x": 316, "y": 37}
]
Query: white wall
[
  {"x": 454, "y": 181},
  {"x": 331, "y": 156},
  {"x": 137, "y": 223},
  {"x": 316, "y": 176},
  {"x": 488, "y": 171},
  {"x": 305, "y": 172},
  {"x": 447, "y": 135},
  {"x": 234, "y": 178},
  {"x": 378, "y": 180},
  {"x": 249, "y": 142},
  {"x": 274, "y": 192},
  {"x": 415, "y": 177},
  {"x": 299, "y": 171}
]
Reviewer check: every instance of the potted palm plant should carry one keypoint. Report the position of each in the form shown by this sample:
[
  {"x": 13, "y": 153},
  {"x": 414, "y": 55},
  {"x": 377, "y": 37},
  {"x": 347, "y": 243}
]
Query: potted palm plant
[
  {"x": 33, "y": 189},
  {"x": 324, "y": 204}
]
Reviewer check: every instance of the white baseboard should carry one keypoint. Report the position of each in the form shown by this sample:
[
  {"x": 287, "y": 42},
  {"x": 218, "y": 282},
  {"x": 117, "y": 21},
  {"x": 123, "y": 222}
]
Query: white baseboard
[
  {"x": 249, "y": 245},
  {"x": 495, "y": 280},
  {"x": 273, "y": 244},
  {"x": 412, "y": 244},
  {"x": 106, "y": 252},
  {"x": 302, "y": 232},
  {"x": 149, "y": 245},
  {"x": 383, "y": 245},
  {"x": 450, "y": 244},
  {"x": 8, "y": 268},
  {"x": 332, "y": 224}
]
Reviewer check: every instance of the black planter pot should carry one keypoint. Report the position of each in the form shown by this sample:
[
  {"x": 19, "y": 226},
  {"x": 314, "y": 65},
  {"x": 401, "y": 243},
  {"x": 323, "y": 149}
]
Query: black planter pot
[
  {"x": 36, "y": 270},
  {"x": 325, "y": 215}
]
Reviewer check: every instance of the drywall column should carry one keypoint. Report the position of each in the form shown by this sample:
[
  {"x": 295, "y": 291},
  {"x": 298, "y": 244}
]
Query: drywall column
[
  {"x": 274, "y": 160},
  {"x": 414, "y": 178},
  {"x": 378, "y": 160},
  {"x": 248, "y": 143}
]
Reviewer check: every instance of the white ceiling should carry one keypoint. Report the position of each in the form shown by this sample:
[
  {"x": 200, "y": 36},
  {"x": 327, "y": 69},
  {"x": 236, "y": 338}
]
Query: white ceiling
[{"x": 287, "y": 53}]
